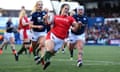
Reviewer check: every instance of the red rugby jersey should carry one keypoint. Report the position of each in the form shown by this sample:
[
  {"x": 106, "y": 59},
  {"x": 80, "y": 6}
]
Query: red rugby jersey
[
  {"x": 21, "y": 26},
  {"x": 25, "y": 28},
  {"x": 62, "y": 25}
]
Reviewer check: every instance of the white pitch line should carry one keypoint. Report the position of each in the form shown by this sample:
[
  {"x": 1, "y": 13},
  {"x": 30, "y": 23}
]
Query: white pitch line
[{"x": 92, "y": 62}]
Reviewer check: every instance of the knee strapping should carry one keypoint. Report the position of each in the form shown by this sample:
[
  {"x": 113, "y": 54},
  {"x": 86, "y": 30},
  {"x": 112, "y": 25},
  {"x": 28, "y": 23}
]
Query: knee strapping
[{"x": 80, "y": 53}]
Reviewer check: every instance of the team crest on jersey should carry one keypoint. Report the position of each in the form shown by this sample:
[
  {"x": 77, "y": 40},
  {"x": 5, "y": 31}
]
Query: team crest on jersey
[
  {"x": 84, "y": 18},
  {"x": 39, "y": 19},
  {"x": 78, "y": 18},
  {"x": 43, "y": 13}
]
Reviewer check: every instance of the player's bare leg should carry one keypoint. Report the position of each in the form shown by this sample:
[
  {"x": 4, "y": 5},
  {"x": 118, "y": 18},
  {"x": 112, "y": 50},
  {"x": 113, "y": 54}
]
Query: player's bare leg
[
  {"x": 12, "y": 41},
  {"x": 40, "y": 49},
  {"x": 79, "y": 46},
  {"x": 71, "y": 50},
  {"x": 2, "y": 45}
]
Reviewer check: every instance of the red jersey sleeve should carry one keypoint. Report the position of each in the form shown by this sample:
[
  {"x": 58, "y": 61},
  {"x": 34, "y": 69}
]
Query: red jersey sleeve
[{"x": 26, "y": 19}]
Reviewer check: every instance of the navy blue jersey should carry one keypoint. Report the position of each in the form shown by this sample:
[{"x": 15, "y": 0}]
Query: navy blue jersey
[
  {"x": 84, "y": 21},
  {"x": 37, "y": 18},
  {"x": 9, "y": 27}
]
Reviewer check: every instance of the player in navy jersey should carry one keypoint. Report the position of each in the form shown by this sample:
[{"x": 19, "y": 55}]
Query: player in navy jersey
[
  {"x": 9, "y": 37},
  {"x": 77, "y": 36},
  {"x": 48, "y": 25},
  {"x": 38, "y": 29}
]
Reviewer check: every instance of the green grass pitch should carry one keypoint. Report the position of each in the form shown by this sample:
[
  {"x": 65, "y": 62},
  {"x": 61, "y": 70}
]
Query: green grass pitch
[{"x": 95, "y": 58}]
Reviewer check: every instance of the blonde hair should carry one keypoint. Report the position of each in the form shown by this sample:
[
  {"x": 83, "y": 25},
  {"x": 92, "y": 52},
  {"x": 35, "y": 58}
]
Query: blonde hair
[
  {"x": 22, "y": 13},
  {"x": 35, "y": 6}
]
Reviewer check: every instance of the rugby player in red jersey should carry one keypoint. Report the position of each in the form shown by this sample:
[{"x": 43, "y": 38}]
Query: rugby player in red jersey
[
  {"x": 55, "y": 37},
  {"x": 24, "y": 30}
]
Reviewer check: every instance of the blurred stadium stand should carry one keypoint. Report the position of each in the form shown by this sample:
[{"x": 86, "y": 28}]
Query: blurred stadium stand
[
  {"x": 104, "y": 19},
  {"x": 104, "y": 8}
]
